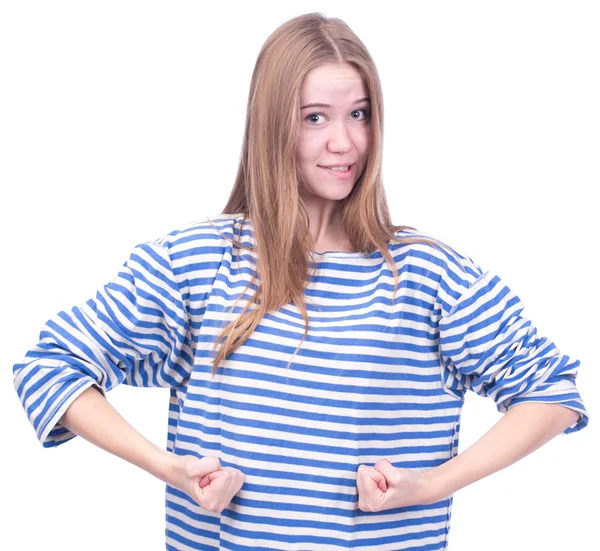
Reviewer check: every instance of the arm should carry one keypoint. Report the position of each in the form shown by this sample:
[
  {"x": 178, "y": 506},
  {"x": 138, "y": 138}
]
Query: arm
[
  {"x": 136, "y": 330},
  {"x": 522, "y": 429},
  {"x": 91, "y": 416},
  {"x": 211, "y": 486},
  {"x": 489, "y": 346}
]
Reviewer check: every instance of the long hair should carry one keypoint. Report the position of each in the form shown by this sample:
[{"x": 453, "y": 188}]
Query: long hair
[{"x": 269, "y": 189}]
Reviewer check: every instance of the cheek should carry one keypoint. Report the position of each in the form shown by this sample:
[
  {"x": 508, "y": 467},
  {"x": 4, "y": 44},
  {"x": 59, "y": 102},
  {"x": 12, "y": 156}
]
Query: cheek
[
  {"x": 309, "y": 147},
  {"x": 303, "y": 145},
  {"x": 364, "y": 141}
]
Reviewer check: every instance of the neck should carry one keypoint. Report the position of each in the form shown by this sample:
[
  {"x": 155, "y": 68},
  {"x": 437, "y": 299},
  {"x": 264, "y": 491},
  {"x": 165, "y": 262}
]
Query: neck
[{"x": 326, "y": 228}]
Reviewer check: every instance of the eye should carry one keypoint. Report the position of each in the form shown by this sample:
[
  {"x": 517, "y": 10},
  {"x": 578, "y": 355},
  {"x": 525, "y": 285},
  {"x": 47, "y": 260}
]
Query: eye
[
  {"x": 313, "y": 115},
  {"x": 366, "y": 113}
]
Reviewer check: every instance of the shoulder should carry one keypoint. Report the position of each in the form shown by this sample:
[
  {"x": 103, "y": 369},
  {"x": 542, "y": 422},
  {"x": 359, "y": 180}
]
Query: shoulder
[
  {"x": 211, "y": 232},
  {"x": 444, "y": 263}
]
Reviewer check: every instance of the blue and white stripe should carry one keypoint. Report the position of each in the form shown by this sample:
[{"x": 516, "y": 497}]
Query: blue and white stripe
[{"x": 375, "y": 378}]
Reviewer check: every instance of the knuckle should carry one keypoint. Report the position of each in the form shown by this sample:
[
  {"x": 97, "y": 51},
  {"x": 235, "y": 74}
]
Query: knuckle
[
  {"x": 210, "y": 505},
  {"x": 188, "y": 466}
]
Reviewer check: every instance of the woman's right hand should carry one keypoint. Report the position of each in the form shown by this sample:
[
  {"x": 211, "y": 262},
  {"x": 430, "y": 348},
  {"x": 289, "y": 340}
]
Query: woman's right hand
[{"x": 204, "y": 480}]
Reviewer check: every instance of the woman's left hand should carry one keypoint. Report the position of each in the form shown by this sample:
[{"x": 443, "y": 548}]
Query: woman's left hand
[{"x": 385, "y": 487}]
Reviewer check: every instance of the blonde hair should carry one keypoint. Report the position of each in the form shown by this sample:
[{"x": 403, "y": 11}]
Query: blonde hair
[{"x": 269, "y": 188}]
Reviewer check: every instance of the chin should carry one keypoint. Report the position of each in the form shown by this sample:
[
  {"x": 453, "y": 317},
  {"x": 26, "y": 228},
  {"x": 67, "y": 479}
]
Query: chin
[{"x": 324, "y": 196}]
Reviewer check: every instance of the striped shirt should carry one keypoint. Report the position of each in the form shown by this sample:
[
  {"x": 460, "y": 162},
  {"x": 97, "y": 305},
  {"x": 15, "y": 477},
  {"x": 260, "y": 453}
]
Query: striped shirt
[{"x": 376, "y": 377}]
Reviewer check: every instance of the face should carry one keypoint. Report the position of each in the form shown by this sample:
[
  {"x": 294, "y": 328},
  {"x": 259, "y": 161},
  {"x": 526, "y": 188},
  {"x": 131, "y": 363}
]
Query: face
[{"x": 335, "y": 133}]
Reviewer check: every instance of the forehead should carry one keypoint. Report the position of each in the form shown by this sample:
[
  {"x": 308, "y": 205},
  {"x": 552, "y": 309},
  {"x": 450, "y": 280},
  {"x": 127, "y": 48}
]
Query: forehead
[{"x": 330, "y": 82}]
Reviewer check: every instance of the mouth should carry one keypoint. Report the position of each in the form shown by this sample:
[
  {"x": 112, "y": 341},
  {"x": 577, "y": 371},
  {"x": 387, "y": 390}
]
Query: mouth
[{"x": 340, "y": 174}]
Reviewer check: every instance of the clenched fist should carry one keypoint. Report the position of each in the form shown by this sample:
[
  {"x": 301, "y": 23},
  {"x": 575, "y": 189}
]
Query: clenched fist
[
  {"x": 204, "y": 480},
  {"x": 385, "y": 487}
]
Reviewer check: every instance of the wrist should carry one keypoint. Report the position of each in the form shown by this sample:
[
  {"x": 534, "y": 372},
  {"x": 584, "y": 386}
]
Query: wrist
[
  {"x": 434, "y": 487},
  {"x": 160, "y": 464}
]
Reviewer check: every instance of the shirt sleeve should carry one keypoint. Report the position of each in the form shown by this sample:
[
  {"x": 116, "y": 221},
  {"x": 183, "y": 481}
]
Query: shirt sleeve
[
  {"x": 488, "y": 346},
  {"x": 134, "y": 331}
]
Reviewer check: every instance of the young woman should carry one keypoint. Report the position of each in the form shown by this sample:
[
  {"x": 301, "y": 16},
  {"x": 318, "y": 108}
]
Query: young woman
[{"x": 317, "y": 355}]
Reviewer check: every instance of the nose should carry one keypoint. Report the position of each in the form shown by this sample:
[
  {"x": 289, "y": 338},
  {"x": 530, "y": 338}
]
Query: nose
[{"x": 339, "y": 139}]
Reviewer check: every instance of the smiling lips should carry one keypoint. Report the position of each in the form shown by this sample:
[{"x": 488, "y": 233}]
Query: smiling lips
[
  {"x": 337, "y": 165},
  {"x": 339, "y": 174}
]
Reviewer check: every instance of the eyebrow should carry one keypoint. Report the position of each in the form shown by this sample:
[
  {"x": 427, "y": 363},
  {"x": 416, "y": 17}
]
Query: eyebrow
[{"x": 326, "y": 105}]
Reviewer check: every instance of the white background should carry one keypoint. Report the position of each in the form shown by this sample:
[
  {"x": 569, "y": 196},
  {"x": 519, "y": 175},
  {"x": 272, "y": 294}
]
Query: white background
[{"x": 120, "y": 121}]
